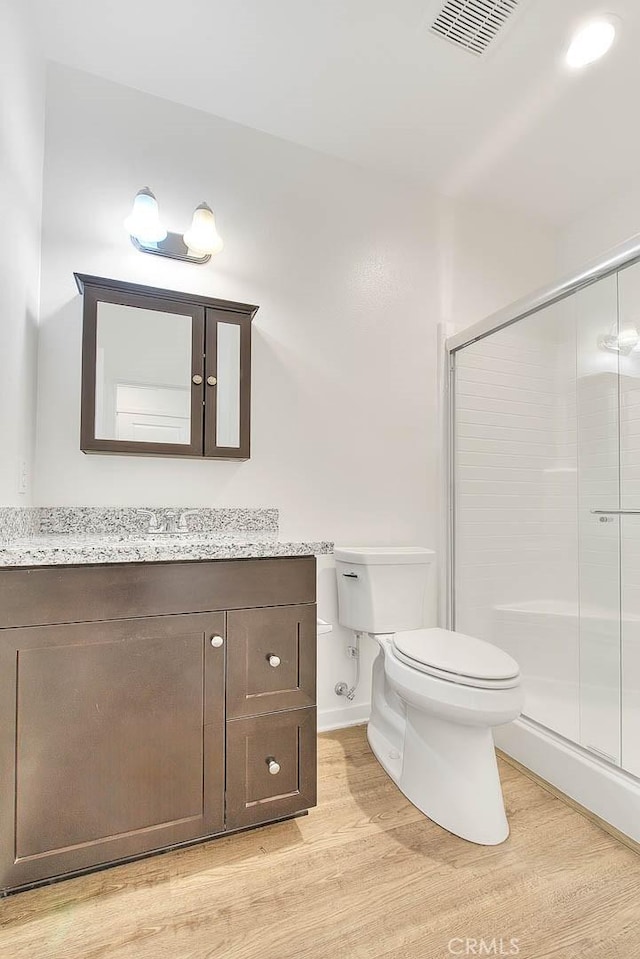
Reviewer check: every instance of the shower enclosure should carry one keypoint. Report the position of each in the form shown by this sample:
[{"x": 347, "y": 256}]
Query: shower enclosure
[{"x": 545, "y": 515}]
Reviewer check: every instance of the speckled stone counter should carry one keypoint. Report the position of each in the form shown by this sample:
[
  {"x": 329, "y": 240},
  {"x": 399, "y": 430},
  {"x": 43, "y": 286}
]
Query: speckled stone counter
[{"x": 81, "y": 536}]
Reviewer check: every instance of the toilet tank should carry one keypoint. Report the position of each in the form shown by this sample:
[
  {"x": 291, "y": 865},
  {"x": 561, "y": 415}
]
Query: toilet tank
[{"x": 383, "y": 589}]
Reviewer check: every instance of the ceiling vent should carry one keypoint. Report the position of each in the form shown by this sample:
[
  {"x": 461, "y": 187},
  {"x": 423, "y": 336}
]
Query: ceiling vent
[{"x": 473, "y": 24}]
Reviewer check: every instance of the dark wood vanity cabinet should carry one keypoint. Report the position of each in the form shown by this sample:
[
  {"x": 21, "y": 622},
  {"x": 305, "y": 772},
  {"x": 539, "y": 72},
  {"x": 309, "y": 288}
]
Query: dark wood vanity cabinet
[
  {"x": 123, "y": 732},
  {"x": 164, "y": 373}
]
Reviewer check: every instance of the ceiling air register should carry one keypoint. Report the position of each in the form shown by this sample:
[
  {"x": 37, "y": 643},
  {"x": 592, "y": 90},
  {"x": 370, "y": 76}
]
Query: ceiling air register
[{"x": 473, "y": 24}]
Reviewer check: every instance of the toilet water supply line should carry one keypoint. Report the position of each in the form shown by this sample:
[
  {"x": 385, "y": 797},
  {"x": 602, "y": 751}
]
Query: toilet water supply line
[{"x": 353, "y": 652}]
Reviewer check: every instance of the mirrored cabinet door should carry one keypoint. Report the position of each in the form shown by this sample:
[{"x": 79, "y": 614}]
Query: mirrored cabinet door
[
  {"x": 143, "y": 374},
  {"x": 228, "y": 384}
]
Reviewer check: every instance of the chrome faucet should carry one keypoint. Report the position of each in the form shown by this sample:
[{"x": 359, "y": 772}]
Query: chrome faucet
[
  {"x": 173, "y": 521},
  {"x": 176, "y": 522},
  {"x": 153, "y": 526},
  {"x": 183, "y": 526}
]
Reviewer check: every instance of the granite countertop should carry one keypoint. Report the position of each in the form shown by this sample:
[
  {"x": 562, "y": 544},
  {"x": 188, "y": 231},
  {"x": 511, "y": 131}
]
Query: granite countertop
[
  {"x": 60, "y": 549},
  {"x": 70, "y": 538}
]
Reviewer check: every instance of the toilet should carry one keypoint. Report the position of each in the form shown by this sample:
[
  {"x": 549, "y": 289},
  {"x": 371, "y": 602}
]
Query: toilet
[{"x": 436, "y": 694}]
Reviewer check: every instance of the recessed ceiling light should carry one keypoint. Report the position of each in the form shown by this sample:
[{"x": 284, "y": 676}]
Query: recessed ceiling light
[{"x": 590, "y": 42}]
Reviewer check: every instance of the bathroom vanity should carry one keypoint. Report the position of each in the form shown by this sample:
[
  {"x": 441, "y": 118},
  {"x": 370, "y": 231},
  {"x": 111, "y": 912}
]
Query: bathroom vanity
[{"x": 148, "y": 704}]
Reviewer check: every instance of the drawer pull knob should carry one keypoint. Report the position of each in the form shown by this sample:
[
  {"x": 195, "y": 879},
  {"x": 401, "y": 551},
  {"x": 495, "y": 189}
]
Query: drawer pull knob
[
  {"x": 273, "y": 660},
  {"x": 274, "y": 767},
  {"x": 217, "y": 641}
]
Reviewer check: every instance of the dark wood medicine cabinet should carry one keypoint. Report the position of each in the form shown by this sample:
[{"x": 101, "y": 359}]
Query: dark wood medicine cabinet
[{"x": 164, "y": 373}]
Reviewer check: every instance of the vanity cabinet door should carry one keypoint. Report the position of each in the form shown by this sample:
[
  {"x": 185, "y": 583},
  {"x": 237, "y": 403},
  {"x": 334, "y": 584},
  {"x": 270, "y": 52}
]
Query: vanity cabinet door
[
  {"x": 111, "y": 741},
  {"x": 227, "y": 426},
  {"x": 271, "y": 766},
  {"x": 271, "y": 659}
]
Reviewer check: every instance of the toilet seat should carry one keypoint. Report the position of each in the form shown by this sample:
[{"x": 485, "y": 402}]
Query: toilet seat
[{"x": 456, "y": 658}]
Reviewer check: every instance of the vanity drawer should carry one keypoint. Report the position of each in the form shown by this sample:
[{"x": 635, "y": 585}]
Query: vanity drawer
[
  {"x": 76, "y": 594},
  {"x": 271, "y": 767},
  {"x": 271, "y": 659}
]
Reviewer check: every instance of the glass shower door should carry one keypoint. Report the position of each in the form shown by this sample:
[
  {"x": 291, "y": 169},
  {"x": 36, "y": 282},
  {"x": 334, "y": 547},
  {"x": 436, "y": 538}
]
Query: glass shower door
[
  {"x": 598, "y": 443},
  {"x": 609, "y": 472},
  {"x": 545, "y": 412},
  {"x": 516, "y": 506},
  {"x": 629, "y": 309}
]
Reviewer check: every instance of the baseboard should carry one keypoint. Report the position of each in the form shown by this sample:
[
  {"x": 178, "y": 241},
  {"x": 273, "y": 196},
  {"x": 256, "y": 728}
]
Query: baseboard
[
  {"x": 606, "y": 794},
  {"x": 343, "y": 716}
]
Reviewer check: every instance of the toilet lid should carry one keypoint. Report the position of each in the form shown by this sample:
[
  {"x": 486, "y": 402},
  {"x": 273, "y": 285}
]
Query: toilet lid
[{"x": 455, "y": 656}]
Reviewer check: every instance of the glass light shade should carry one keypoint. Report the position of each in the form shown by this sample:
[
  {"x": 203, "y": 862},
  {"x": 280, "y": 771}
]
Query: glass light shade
[
  {"x": 144, "y": 220},
  {"x": 202, "y": 237},
  {"x": 590, "y": 43}
]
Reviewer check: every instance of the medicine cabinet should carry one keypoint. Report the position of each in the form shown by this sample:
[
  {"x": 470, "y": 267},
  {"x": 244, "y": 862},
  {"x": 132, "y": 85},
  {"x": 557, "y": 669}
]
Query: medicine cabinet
[{"x": 164, "y": 373}]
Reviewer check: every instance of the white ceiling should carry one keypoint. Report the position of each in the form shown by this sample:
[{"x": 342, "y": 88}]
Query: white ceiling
[{"x": 365, "y": 80}]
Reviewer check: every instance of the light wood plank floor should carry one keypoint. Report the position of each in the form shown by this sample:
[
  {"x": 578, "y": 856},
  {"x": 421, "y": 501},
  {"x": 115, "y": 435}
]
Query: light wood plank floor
[{"x": 364, "y": 875}]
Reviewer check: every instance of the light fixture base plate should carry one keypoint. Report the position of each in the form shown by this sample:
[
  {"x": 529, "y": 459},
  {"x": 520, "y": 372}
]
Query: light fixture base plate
[{"x": 173, "y": 246}]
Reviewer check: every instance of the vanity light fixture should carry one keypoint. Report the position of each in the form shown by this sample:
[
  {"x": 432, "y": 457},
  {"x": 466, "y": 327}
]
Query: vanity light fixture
[
  {"x": 590, "y": 42},
  {"x": 148, "y": 235}
]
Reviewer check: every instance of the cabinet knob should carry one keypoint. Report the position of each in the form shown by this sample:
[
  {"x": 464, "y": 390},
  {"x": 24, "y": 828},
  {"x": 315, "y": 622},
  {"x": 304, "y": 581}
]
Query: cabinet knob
[
  {"x": 273, "y": 660},
  {"x": 217, "y": 641},
  {"x": 211, "y": 380},
  {"x": 197, "y": 379},
  {"x": 274, "y": 767}
]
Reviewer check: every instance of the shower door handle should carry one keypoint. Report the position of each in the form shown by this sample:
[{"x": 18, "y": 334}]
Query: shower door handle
[{"x": 616, "y": 512}]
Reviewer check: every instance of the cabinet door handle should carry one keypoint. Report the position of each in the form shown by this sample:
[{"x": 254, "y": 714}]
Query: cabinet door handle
[
  {"x": 217, "y": 641},
  {"x": 350, "y": 575},
  {"x": 274, "y": 767},
  {"x": 273, "y": 660},
  {"x": 197, "y": 379},
  {"x": 211, "y": 380}
]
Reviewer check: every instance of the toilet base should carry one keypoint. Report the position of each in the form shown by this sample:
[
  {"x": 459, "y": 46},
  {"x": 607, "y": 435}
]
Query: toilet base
[
  {"x": 449, "y": 772},
  {"x": 389, "y": 757}
]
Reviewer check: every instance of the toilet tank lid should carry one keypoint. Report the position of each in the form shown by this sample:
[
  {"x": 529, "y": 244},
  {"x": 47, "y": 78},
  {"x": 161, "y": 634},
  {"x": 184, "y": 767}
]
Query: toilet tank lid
[{"x": 383, "y": 555}]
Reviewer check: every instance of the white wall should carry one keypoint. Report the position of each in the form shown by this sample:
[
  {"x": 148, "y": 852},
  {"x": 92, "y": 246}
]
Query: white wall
[
  {"x": 490, "y": 257},
  {"x": 21, "y": 150},
  {"x": 340, "y": 263},
  {"x": 600, "y": 228}
]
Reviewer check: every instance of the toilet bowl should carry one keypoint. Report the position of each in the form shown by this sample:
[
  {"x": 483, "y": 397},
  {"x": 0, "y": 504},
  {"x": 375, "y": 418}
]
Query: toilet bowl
[
  {"x": 436, "y": 695},
  {"x": 441, "y": 753}
]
